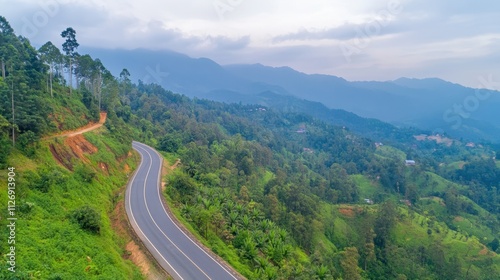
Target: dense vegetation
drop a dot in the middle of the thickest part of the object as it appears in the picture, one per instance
(63, 229)
(246, 166)
(279, 195)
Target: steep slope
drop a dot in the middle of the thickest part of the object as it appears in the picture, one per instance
(63, 177)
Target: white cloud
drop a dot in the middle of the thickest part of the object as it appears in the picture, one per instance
(419, 40)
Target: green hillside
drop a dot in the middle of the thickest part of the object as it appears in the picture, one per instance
(279, 195)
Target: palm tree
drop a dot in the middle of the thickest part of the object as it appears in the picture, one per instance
(249, 249)
(187, 211)
(191, 168)
(321, 272)
(271, 273)
(233, 217)
(245, 222)
(256, 214)
(261, 265)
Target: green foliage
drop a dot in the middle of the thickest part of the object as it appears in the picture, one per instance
(275, 193)
(483, 171)
(28, 143)
(170, 143)
(349, 264)
(386, 219)
(183, 185)
(494, 245)
(5, 151)
(87, 218)
(84, 173)
(43, 179)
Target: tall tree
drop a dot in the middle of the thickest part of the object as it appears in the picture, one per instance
(5, 27)
(9, 55)
(125, 75)
(85, 71)
(99, 71)
(51, 56)
(125, 85)
(349, 264)
(6, 33)
(69, 47)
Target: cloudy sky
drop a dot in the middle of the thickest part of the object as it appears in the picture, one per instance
(358, 39)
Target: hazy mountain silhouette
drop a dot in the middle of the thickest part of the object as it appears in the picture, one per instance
(431, 104)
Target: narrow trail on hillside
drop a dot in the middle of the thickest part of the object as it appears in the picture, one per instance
(83, 129)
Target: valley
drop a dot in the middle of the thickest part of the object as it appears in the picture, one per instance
(277, 186)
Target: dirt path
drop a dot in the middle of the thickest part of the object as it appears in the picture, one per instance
(83, 129)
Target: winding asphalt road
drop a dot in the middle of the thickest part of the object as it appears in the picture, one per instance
(173, 249)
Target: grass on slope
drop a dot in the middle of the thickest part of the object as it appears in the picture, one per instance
(432, 183)
(465, 223)
(390, 152)
(367, 188)
(49, 244)
(64, 118)
(416, 230)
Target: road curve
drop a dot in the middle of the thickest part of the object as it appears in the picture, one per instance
(172, 248)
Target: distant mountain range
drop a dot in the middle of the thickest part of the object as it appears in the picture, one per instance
(430, 104)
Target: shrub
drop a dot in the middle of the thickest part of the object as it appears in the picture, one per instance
(87, 218)
(4, 152)
(170, 143)
(85, 173)
(37, 182)
(28, 143)
(44, 178)
(56, 276)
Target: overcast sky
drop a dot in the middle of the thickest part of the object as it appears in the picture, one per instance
(359, 40)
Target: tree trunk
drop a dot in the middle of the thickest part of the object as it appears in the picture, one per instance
(3, 69)
(60, 72)
(99, 90)
(70, 76)
(51, 77)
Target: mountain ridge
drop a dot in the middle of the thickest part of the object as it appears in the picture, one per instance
(430, 103)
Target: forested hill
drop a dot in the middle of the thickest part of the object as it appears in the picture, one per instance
(279, 195)
(429, 104)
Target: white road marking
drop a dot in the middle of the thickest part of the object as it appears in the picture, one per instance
(138, 227)
(147, 208)
(159, 196)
